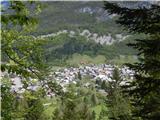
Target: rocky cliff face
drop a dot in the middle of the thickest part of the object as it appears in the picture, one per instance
(85, 18)
(101, 39)
(57, 16)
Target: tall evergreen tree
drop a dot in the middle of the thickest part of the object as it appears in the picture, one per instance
(73, 106)
(34, 107)
(118, 105)
(94, 99)
(7, 99)
(145, 88)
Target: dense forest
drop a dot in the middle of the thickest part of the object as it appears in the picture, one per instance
(111, 50)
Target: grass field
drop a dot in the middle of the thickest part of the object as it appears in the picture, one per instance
(78, 59)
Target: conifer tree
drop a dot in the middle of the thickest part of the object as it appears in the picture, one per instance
(145, 88)
(7, 99)
(34, 106)
(104, 85)
(118, 105)
(94, 99)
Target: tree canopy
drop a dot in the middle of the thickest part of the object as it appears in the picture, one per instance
(145, 87)
(22, 53)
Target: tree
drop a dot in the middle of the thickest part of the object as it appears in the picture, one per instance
(79, 102)
(145, 88)
(79, 76)
(34, 107)
(103, 115)
(22, 53)
(73, 106)
(7, 100)
(94, 99)
(104, 85)
(118, 105)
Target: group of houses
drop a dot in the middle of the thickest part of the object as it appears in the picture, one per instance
(103, 72)
(95, 72)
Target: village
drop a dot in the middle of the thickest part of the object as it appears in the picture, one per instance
(64, 77)
(96, 72)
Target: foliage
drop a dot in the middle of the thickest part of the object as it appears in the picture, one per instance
(27, 105)
(118, 105)
(21, 53)
(24, 55)
(67, 16)
(79, 102)
(64, 50)
(34, 106)
(7, 100)
(72, 107)
(145, 87)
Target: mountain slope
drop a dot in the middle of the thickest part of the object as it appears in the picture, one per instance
(88, 28)
(75, 16)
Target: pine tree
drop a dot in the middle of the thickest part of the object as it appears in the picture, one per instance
(33, 105)
(103, 114)
(94, 99)
(79, 76)
(93, 115)
(118, 105)
(103, 85)
(145, 88)
(73, 105)
(7, 99)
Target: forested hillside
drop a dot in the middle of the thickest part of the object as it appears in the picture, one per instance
(63, 48)
(86, 28)
(58, 16)
(76, 64)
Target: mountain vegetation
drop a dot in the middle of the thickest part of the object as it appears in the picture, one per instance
(28, 54)
(62, 48)
(75, 17)
(144, 88)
